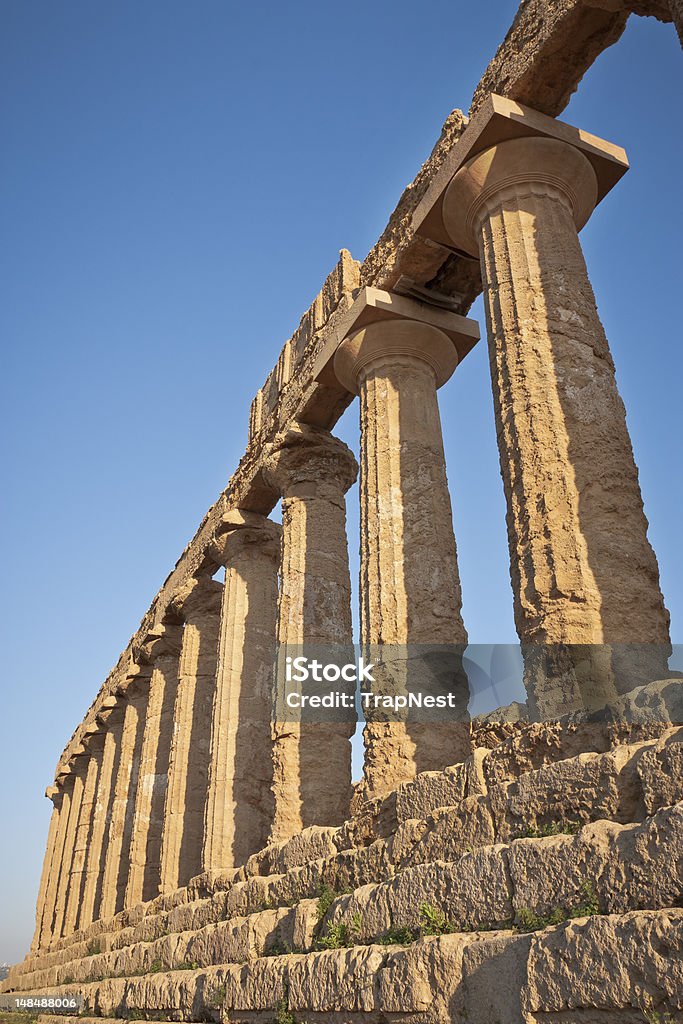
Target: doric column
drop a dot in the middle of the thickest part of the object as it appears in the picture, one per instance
(183, 829)
(312, 471)
(63, 800)
(78, 770)
(112, 719)
(95, 748)
(56, 796)
(162, 650)
(239, 807)
(410, 587)
(583, 571)
(117, 861)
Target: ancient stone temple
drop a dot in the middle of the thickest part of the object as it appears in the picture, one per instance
(209, 858)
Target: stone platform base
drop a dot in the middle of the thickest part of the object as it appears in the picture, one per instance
(540, 880)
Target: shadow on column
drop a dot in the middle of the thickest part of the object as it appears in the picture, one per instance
(190, 857)
(97, 900)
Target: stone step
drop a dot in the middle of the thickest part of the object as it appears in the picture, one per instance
(604, 868)
(622, 784)
(598, 968)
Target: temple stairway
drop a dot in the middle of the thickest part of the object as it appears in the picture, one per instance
(539, 880)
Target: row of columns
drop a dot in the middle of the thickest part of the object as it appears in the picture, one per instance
(189, 773)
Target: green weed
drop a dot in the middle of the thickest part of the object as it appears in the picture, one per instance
(434, 921)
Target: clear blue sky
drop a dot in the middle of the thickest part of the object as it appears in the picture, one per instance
(177, 179)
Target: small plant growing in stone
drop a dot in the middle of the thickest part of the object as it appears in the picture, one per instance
(216, 998)
(589, 904)
(397, 937)
(93, 949)
(277, 948)
(283, 1014)
(326, 897)
(156, 967)
(336, 937)
(187, 965)
(553, 828)
(434, 921)
(528, 920)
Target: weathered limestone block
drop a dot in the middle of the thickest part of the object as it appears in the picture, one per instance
(450, 832)
(477, 893)
(650, 706)
(306, 921)
(405, 838)
(372, 820)
(410, 587)
(426, 978)
(312, 843)
(259, 986)
(352, 868)
(196, 915)
(494, 972)
(340, 980)
(262, 863)
(579, 789)
(183, 826)
(623, 867)
(210, 882)
(239, 805)
(429, 790)
(548, 49)
(312, 471)
(541, 743)
(661, 772)
(162, 650)
(647, 872)
(183, 995)
(583, 571)
(611, 968)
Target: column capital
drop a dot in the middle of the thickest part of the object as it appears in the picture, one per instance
(198, 597)
(531, 165)
(94, 738)
(240, 528)
(393, 341)
(159, 641)
(106, 710)
(500, 120)
(303, 459)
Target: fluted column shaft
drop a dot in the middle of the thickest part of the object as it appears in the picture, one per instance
(583, 571)
(312, 760)
(95, 860)
(410, 586)
(239, 807)
(47, 919)
(95, 749)
(117, 862)
(48, 868)
(162, 651)
(69, 846)
(183, 827)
